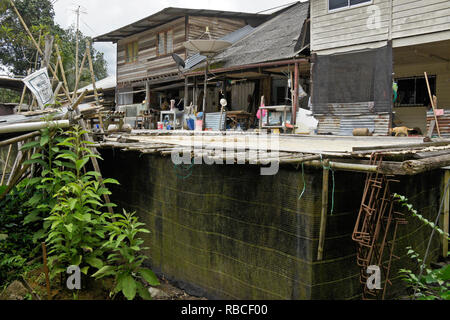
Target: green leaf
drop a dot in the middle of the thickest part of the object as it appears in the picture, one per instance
(104, 271)
(111, 181)
(149, 276)
(143, 292)
(72, 204)
(30, 145)
(44, 140)
(77, 260)
(129, 287)
(95, 262)
(85, 270)
(3, 236)
(69, 227)
(79, 164)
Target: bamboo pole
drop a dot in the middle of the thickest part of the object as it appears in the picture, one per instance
(89, 139)
(19, 139)
(432, 104)
(6, 164)
(34, 42)
(78, 76)
(91, 69)
(22, 97)
(63, 73)
(446, 218)
(323, 220)
(16, 165)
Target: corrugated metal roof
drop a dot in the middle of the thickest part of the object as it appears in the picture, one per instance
(107, 83)
(232, 37)
(276, 39)
(11, 83)
(344, 125)
(170, 14)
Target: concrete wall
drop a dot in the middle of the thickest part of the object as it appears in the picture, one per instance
(226, 232)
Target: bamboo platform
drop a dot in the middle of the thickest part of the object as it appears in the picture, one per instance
(403, 156)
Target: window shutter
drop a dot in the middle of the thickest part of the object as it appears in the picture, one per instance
(161, 43)
(169, 41)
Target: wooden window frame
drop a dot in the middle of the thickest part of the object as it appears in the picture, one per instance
(134, 58)
(349, 6)
(416, 78)
(165, 32)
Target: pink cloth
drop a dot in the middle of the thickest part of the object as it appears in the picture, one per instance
(264, 113)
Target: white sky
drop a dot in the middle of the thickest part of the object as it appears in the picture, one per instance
(103, 16)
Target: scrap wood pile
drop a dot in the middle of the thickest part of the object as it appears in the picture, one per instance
(46, 110)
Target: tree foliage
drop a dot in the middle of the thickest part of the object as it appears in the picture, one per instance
(18, 53)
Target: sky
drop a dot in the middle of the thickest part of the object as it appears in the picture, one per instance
(102, 16)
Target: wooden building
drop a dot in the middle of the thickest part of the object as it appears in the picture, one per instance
(145, 47)
(417, 34)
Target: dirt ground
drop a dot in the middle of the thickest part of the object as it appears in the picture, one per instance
(33, 287)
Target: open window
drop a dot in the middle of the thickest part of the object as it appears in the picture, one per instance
(413, 91)
(340, 4)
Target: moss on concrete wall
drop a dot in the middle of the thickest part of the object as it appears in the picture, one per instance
(227, 232)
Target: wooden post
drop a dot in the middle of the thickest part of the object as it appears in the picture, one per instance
(48, 50)
(446, 217)
(47, 278)
(186, 91)
(295, 102)
(147, 94)
(432, 104)
(323, 220)
(205, 90)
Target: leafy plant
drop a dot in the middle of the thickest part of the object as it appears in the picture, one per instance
(404, 202)
(125, 261)
(434, 284)
(78, 225)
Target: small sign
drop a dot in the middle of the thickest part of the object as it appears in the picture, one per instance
(39, 84)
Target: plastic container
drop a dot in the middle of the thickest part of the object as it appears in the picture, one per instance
(160, 125)
(199, 125)
(191, 124)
